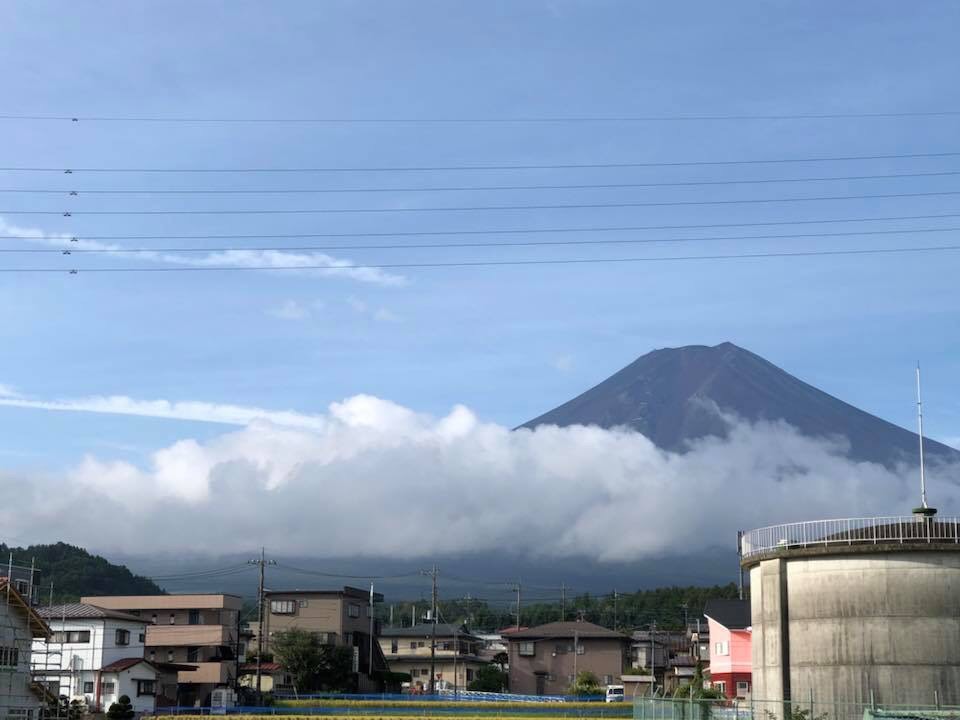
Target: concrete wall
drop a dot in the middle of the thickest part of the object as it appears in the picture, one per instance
(841, 626)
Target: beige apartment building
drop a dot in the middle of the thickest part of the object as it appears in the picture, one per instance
(194, 629)
(544, 660)
(339, 617)
(457, 658)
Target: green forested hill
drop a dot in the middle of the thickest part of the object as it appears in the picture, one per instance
(75, 572)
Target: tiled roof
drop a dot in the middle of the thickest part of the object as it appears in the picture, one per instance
(732, 614)
(85, 611)
(124, 664)
(265, 667)
(426, 630)
(566, 630)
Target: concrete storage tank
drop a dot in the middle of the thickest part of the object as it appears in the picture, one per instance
(849, 612)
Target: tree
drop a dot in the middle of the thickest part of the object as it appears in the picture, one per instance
(78, 708)
(122, 709)
(586, 683)
(489, 678)
(501, 659)
(695, 689)
(312, 664)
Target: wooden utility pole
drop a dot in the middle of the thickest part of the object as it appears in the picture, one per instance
(563, 602)
(517, 589)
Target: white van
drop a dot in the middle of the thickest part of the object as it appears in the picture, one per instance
(614, 693)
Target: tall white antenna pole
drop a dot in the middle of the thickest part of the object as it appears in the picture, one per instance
(923, 478)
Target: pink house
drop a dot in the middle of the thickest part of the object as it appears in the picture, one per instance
(730, 634)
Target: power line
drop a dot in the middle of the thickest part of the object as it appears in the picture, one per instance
(479, 208)
(509, 231)
(452, 120)
(491, 263)
(471, 188)
(416, 246)
(430, 168)
(318, 573)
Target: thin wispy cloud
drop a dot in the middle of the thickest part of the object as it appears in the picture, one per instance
(290, 310)
(312, 262)
(192, 410)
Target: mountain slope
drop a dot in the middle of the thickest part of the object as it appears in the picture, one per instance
(75, 572)
(676, 395)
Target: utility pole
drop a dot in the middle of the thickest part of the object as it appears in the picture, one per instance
(432, 574)
(370, 638)
(517, 589)
(576, 652)
(262, 563)
(653, 654)
(563, 602)
(614, 610)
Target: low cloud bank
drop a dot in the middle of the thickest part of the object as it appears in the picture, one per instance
(374, 478)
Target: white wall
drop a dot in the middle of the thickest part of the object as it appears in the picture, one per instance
(85, 658)
(125, 683)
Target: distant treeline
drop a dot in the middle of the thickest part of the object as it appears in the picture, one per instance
(74, 572)
(667, 607)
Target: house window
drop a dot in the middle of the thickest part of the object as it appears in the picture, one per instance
(169, 655)
(421, 644)
(193, 618)
(581, 648)
(394, 647)
(146, 687)
(193, 654)
(721, 648)
(469, 674)
(153, 656)
(283, 607)
(143, 637)
(721, 686)
(173, 619)
(743, 688)
(109, 687)
(446, 645)
(608, 679)
(123, 636)
(72, 637)
(9, 656)
(153, 618)
(413, 644)
(527, 649)
(303, 603)
(88, 688)
(353, 610)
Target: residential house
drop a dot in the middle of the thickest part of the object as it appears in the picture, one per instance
(273, 678)
(20, 625)
(730, 636)
(456, 658)
(544, 660)
(340, 617)
(201, 630)
(96, 655)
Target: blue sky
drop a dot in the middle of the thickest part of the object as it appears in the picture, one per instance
(507, 342)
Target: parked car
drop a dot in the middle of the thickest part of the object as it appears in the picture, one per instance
(614, 693)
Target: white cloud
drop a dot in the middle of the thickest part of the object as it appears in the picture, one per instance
(381, 314)
(188, 410)
(371, 477)
(290, 310)
(7, 391)
(312, 262)
(384, 315)
(357, 305)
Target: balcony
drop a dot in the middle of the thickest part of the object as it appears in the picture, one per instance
(189, 635)
(206, 672)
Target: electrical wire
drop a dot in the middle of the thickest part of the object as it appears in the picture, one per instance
(492, 263)
(551, 119)
(483, 208)
(509, 231)
(431, 168)
(472, 188)
(318, 573)
(413, 246)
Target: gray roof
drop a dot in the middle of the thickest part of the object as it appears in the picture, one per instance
(425, 630)
(566, 630)
(732, 614)
(84, 611)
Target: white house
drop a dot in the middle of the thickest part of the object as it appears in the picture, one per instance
(97, 655)
(20, 626)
